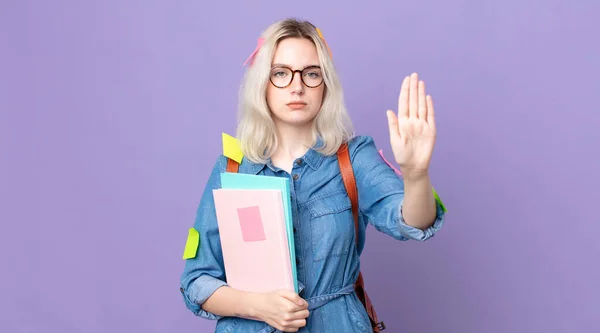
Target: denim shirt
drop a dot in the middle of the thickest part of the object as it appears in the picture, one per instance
(327, 257)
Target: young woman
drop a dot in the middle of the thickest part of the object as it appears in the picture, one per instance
(292, 123)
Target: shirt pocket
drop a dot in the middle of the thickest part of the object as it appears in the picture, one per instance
(331, 225)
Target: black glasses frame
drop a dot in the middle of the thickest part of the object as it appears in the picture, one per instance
(294, 73)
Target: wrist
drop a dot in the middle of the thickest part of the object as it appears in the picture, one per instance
(250, 307)
(414, 175)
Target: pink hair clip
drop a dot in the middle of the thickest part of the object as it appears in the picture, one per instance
(259, 44)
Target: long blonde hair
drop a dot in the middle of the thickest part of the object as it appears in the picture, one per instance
(256, 129)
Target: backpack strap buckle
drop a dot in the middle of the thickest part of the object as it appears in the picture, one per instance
(380, 326)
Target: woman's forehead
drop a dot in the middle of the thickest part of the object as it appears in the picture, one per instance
(296, 52)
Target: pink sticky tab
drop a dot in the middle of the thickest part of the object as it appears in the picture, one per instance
(251, 224)
(259, 44)
(388, 163)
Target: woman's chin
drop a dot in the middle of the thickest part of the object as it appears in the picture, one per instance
(296, 119)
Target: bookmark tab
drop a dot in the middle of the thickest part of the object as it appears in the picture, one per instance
(191, 245)
(231, 148)
(251, 224)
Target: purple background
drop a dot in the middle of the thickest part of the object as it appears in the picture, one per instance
(111, 116)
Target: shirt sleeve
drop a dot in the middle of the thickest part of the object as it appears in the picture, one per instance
(381, 194)
(204, 273)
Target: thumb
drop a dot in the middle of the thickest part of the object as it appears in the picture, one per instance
(293, 297)
(392, 123)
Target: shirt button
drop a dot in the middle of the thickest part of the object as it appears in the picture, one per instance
(296, 176)
(297, 261)
(299, 161)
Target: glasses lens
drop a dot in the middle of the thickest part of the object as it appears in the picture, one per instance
(312, 76)
(281, 77)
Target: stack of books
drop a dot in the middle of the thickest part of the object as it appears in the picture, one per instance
(254, 216)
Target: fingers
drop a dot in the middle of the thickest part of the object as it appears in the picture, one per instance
(422, 113)
(301, 314)
(291, 322)
(413, 96)
(295, 325)
(295, 299)
(289, 311)
(295, 316)
(430, 112)
(291, 296)
(403, 99)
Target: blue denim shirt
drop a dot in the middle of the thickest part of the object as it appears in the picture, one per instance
(327, 258)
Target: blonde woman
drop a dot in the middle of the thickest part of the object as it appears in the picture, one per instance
(292, 123)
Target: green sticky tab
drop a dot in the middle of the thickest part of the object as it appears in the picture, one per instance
(437, 198)
(191, 245)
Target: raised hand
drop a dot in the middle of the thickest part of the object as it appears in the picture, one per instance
(412, 131)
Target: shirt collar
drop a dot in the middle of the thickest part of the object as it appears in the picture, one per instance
(312, 157)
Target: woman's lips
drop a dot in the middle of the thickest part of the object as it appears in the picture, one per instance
(296, 105)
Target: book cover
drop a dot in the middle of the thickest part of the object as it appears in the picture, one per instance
(253, 239)
(245, 181)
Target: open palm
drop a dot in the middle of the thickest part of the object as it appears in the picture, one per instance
(412, 131)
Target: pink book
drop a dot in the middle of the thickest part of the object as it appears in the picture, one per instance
(253, 239)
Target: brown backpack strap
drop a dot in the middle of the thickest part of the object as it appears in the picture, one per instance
(232, 166)
(350, 184)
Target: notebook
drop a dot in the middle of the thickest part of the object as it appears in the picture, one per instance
(253, 239)
(246, 181)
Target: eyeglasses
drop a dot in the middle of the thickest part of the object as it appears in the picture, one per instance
(282, 76)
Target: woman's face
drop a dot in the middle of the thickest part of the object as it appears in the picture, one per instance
(295, 103)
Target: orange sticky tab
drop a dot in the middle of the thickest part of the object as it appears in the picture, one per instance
(324, 41)
(320, 33)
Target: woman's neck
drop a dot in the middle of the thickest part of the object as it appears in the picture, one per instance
(293, 142)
